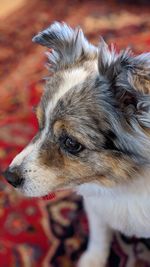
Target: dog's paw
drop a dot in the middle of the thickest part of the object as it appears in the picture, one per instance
(91, 259)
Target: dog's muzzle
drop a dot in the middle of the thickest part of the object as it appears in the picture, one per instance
(13, 177)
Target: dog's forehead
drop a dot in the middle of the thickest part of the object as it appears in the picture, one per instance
(70, 107)
(61, 86)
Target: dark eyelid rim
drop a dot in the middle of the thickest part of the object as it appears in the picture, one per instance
(64, 136)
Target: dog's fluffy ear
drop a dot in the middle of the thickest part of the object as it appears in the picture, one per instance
(128, 79)
(68, 46)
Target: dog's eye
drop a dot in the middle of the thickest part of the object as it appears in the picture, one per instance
(71, 145)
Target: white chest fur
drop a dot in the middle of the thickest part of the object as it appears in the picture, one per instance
(124, 208)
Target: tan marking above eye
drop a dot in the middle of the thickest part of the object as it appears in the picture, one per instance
(71, 129)
(58, 126)
(61, 125)
(40, 115)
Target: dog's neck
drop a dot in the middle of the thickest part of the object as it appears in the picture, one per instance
(139, 186)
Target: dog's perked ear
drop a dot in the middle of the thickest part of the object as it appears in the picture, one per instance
(128, 79)
(68, 46)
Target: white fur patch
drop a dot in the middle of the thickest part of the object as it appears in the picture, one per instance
(22, 155)
(71, 78)
(125, 208)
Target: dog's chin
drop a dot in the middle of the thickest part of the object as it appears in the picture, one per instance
(33, 192)
(37, 195)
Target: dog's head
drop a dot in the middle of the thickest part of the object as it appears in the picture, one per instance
(94, 117)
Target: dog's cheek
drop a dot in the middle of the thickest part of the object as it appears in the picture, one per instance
(106, 169)
(75, 172)
(68, 169)
(50, 156)
(118, 168)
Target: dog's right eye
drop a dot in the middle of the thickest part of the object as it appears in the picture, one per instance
(70, 145)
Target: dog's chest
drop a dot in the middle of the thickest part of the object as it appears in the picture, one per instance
(130, 214)
(125, 211)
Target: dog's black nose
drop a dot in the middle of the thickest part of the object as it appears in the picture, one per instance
(12, 176)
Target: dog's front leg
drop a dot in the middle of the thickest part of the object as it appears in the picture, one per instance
(100, 237)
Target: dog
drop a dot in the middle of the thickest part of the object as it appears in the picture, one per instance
(94, 136)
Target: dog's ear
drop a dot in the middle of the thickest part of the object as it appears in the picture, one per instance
(68, 46)
(128, 80)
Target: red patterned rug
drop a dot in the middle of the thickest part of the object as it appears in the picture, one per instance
(36, 233)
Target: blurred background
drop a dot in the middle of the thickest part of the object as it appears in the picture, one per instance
(54, 232)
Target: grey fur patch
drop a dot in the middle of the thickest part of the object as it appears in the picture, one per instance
(68, 46)
(51, 88)
(110, 62)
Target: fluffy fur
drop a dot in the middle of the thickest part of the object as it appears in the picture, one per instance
(94, 136)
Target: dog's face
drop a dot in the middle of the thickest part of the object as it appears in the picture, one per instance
(93, 117)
